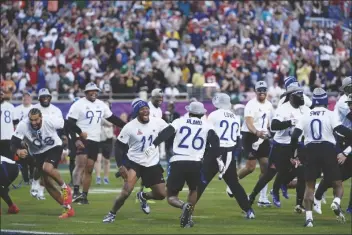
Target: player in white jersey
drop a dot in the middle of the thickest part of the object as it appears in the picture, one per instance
(255, 136)
(227, 126)
(21, 112)
(133, 139)
(87, 114)
(289, 81)
(8, 173)
(40, 134)
(7, 126)
(283, 122)
(155, 103)
(318, 129)
(341, 109)
(191, 138)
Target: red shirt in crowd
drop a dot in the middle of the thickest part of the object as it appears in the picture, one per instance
(45, 50)
(33, 74)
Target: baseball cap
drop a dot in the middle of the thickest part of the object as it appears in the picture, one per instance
(43, 92)
(91, 87)
(261, 84)
(157, 92)
(347, 81)
(222, 101)
(196, 108)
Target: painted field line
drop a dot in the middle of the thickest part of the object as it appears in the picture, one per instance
(10, 231)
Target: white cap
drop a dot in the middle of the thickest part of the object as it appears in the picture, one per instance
(196, 108)
(347, 81)
(222, 101)
(91, 87)
(157, 92)
(293, 87)
(261, 84)
(43, 92)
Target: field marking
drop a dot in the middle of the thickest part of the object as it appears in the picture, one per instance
(86, 222)
(202, 216)
(29, 225)
(118, 190)
(10, 231)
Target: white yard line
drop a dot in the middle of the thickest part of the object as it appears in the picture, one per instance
(10, 231)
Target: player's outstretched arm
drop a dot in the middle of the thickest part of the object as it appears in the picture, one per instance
(164, 135)
(277, 125)
(344, 131)
(120, 152)
(70, 124)
(116, 121)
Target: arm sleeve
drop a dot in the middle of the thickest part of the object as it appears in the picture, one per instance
(214, 142)
(342, 130)
(107, 111)
(70, 124)
(277, 125)
(116, 121)
(120, 152)
(15, 144)
(164, 135)
(294, 137)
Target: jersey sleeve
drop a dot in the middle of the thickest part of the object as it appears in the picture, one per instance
(249, 110)
(163, 124)
(300, 123)
(124, 135)
(20, 130)
(74, 111)
(176, 124)
(56, 122)
(107, 111)
(335, 121)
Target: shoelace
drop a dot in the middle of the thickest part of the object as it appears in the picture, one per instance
(65, 193)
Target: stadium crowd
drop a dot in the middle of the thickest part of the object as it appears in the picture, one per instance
(134, 46)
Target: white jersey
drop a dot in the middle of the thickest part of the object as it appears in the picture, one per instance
(226, 125)
(139, 137)
(21, 112)
(7, 116)
(318, 126)
(203, 118)
(190, 139)
(307, 101)
(89, 116)
(42, 140)
(51, 110)
(154, 112)
(341, 110)
(260, 112)
(286, 112)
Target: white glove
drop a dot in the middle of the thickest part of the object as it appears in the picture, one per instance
(220, 164)
(294, 122)
(150, 151)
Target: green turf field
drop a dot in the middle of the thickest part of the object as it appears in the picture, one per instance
(215, 213)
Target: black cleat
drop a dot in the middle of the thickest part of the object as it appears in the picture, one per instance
(84, 200)
(186, 215)
(77, 197)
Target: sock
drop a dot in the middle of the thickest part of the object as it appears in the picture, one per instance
(76, 189)
(67, 206)
(85, 194)
(112, 213)
(263, 193)
(309, 215)
(63, 186)
(337, 200)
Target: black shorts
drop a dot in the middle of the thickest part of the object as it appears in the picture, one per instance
(181, 172)
(52, 156)
(106, 148)
(5, 149)
(247, 140)
(91, 149)
(346, 169)
(151, 175)
(279, 158)
(321, 157)
(8, 174)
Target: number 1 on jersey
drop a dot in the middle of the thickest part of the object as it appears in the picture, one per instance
(264, 116)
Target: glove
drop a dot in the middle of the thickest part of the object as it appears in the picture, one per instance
(150, 151)
(220, 164)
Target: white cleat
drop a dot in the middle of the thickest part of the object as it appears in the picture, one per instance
(34, 192)
(40, 195)
(323, 199)
(309, 223)
(229, 192)
(41, 198)
(338, 212)
(317, 206)
(264, 202)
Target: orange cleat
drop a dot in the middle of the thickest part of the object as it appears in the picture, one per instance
(13, 209)
(67, 213)
(67, 196)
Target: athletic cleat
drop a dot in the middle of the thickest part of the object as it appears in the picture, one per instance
(34, 192)
(186, 215)
(67, 196)
(144, 204)
(323, 199)
(109, 218)
(67, 213)
(284, 191)
(309, 223)
(338, 212)
(349, 210)
(250, 214)
(317, 206)
(299, 209)
(76, 198)
(229, 192)
(98, 181)
(106, 181)
(40, 198)
(13, 209)
(83, 201)
(276, 199)
(264, 202)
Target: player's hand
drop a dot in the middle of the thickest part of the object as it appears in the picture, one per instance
(22, 153)
(150, 150)
(341, 158)
(123, 172)
(294, 122)
(84, 135)
(221, 164)
(262, 134)
(79, 144)
(295, 162)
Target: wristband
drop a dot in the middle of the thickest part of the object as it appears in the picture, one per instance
(347, 151)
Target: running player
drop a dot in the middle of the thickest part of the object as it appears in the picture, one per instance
(8, 173)
(226, 125)
(255, 136)
(40, 134)
(133, 139)
(191, 138)
(318, 129)
(87, 114)
(7, 126)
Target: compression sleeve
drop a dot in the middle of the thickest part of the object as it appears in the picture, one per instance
(214, 142)
(70, 125)
(164, 135)
(120, 152)
(342, 130)
(116, 121)
(15, 144)
(276, 125)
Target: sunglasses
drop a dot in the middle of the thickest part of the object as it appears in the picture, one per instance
(262, 89)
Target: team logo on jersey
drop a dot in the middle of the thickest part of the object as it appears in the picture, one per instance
(139, 132)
